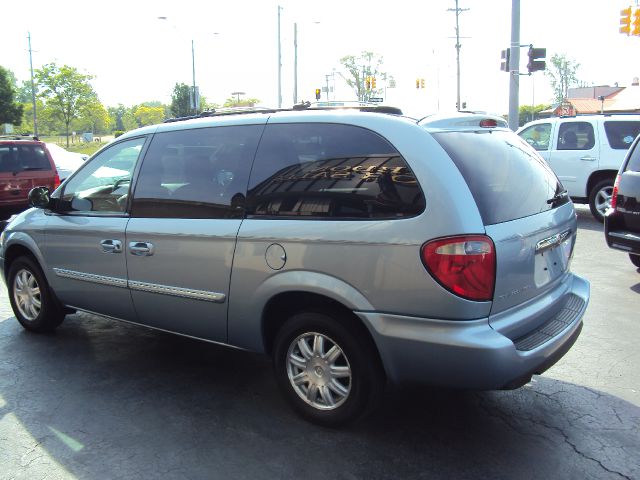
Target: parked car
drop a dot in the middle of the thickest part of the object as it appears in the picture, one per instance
(24, 163)
(353, 247)
(66, 162)
(585, 152)
(622, 221)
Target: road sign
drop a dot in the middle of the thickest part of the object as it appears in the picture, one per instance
(376, 99)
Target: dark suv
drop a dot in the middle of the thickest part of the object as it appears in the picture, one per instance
(24, 163)
(622, 222)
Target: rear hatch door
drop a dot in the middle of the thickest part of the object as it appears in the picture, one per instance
(628, 201)
(22, 167)
(525, 210)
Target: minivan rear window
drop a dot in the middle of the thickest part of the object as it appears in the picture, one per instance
(506, 176)
(621, 134)
(20, 158)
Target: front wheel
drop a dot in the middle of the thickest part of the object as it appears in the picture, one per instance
(327, 369)
(635, 259)
(31, 300)
(600, 198)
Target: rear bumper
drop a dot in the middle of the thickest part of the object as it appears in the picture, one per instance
(472, 354)
(620, 238)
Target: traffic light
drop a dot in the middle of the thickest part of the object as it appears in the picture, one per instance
(625, 20)
(504, 55)
(422, 83)
(367, 83)
(318, 93)
(536, 59)
(417, 83)
(373, 83)
(636, 23)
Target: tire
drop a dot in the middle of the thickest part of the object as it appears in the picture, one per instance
(635, 259)
(344, 377)
(600, 198)
(32, 302)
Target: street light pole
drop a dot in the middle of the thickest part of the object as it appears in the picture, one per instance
(295, 63)
(458, 46)
(279, 62)
(193, 67)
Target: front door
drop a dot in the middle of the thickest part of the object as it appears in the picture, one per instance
(187, 209)
(85, 237)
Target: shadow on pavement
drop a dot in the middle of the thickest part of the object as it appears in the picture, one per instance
(101, 399)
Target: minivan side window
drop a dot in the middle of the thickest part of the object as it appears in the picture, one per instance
(196, 173)
(102, 185)
(621, 134)
(312, 170)
(576, 136)
(537, 136)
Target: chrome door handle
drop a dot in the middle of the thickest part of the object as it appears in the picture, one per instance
(111, 246)
(588, 158)
(141, 249)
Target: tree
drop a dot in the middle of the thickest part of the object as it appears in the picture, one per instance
(562, 75)
(146, 115)
(244, 102)
(93, 118)
(10, 110)
(66, 92)
(358, 69)
(181, 100)
(527, 113)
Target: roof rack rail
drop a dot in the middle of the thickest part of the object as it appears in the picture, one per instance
(304, 105)
(19, 137)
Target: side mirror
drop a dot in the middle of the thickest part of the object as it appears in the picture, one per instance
(39, 197)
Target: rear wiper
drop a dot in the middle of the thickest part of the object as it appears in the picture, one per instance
(558, 196)
(30, 169)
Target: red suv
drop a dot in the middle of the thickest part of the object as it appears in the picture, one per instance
(24, 164)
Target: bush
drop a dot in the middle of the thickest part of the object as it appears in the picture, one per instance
(117, 133)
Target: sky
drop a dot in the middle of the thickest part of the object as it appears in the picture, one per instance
(136, 57)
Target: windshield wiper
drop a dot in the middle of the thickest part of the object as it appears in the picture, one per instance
(558, 197)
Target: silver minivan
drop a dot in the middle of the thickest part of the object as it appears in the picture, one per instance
(355, 248)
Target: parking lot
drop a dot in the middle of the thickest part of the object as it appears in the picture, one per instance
(100, 399)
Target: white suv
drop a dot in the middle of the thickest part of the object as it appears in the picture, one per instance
(585, 152)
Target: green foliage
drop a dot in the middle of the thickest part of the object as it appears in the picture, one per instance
(562, 74)
(367, 64)
(117, 133)
(243, 102)
(528, 113)
(10, 110)
(146, 115)
(180, 103)
(66, 92)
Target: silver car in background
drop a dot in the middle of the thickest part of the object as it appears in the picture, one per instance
(356, 248)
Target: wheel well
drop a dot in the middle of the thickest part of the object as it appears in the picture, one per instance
(283, 306)
(599, 176)
(14, 252)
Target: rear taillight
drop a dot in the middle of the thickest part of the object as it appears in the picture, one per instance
(464, 265)
(614, 195)
(56, 181)
(488, 123)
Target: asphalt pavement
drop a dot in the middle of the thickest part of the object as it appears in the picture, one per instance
(100, 399)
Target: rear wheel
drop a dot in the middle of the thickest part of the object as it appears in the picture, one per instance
(600, 198)
(326, 369)
(31, 300)
(635, 259)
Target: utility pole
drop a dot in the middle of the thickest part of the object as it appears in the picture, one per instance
(514, 66)
(33, 89)
(279, 62)
(458, 11)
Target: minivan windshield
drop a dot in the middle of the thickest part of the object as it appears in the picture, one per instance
(507, 177)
